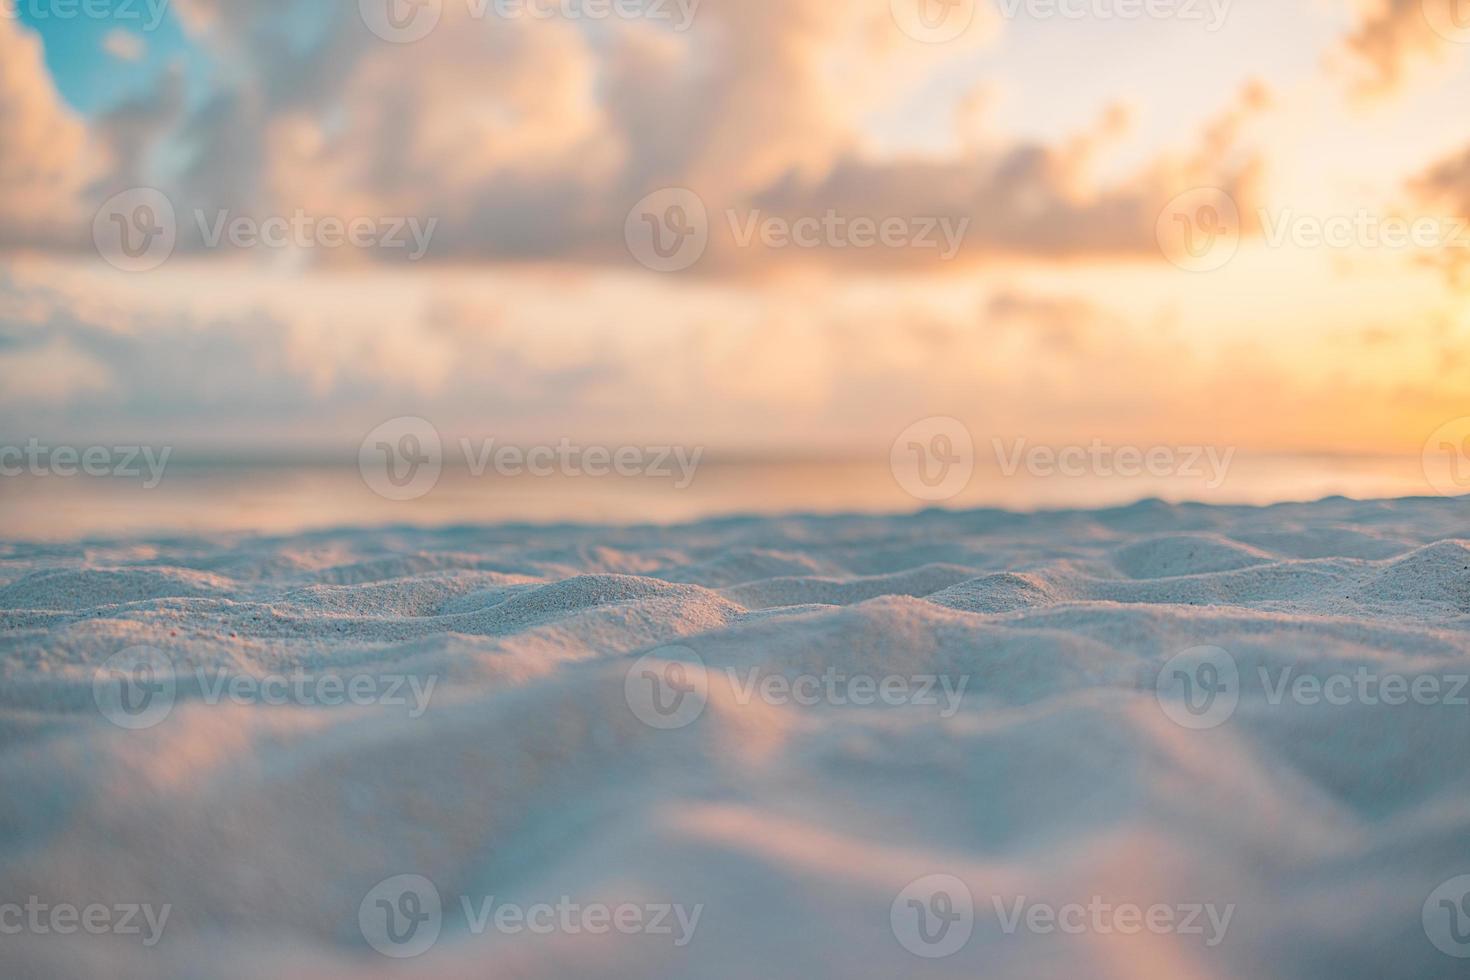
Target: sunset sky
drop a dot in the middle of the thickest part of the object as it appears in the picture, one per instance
(1058, 141)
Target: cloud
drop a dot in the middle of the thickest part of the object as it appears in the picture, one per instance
(1448, 181)
(250, 359)
(1032, 199)
(530, 140)
(124, 45)
(1446, 186)
(133, 129)
(43, 148)
(1392, 35)
(55, 373)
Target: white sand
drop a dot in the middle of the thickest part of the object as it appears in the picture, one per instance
(1060, 778)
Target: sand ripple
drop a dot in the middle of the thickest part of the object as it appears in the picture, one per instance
(529, 772)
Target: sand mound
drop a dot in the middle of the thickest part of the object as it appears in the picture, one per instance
(1438, 574)
(1002, 592)
(91, 588)
(1185, 554)
(792, 725)
(742, 565)
(920, 581)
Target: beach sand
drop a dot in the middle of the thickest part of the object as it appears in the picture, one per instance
(948, 744)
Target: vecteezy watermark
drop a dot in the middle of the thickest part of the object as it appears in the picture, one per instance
(669, 231)
(834, 230)
(934, 916)
(138, 231)
(933, 459)
(669, 688)
(1450, 19)
(403, 458)
(1099, 459)
(1363, 686)
(933, 21)
(1202, 688)
(1447, 458)
(1199, 230)
(121, 462)
(403, 916)
(137, 688)
(839, 688)
(1209, 13)
(1446, 917)
(407, 21)
(401, 21)
(142, 15)
(302, 230)
(1362, 229)
(1199, 688)
(1098, 916)
(40, 918)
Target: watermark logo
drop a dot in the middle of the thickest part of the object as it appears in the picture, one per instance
(933, 21)
(136, 230)
(302, 230)
(1199, 231)
(569, 459)
(677, 14)
(1447, 458)
(1202, 688)
(40, 918)
(407, 21)
(138, 688)
(141, 15)
(1450, 19)
(402, 459)
(135, 688)
(1363, 686)
(401, 917)
(1363, 229)
(1199, 688)
(1101, 917)
(1210, 13)
(838, 688)
(934, 916)
(1447, 917)
(835, 230)
(401, 21)
(667, 688)
(668, 231)
(933, 459)
(119, 462)
(1208, 464)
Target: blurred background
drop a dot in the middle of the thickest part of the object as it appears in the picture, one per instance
(778, 235)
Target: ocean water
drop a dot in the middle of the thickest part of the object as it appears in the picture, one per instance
(285, 497)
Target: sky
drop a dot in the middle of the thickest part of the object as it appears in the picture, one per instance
(762, 226)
